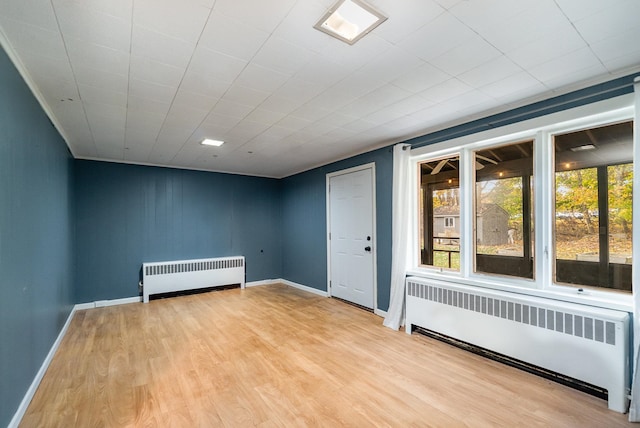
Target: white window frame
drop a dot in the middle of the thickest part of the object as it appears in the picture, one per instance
(540, 130)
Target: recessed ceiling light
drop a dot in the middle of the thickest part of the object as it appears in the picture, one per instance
(209, 142)
(350, 20)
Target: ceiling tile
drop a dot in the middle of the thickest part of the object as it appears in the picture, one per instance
(489, 13)
(267, 117)
(559, 42)
(151, 106)
(118, 8)
(359, 125)
(297, 27)
(143, 68)
(620, 46)
(216, 65)
(38, 13)
(579, 9)
(261, 78)
(421, 78)
(446, 90)
(391, 65)
(204, 84)
(247, 96)
(298, 89)
(141, 120)
(609, 22)
(93, 26)
(98, 95)
(219, 122)
(89, 55)
(138, 153)
(294, 123)
(353, 57)
(515, 84)
(232, 109)
(53, 78)
(325, 73)
(566, 65)
(173, 136)
(278, 54)
(37, 41)
(281, 104)
(161, 47)
(110, 150)
(151, 91)
(232, 37)
(182, 20)
(441, 35)
(244, 131)
(472, 53)
(265, 15)
(405, 17)
(186, 98)
(100, 79)
(311, 113)
(539, 19)
(489, 72)
(104, 116)
(185, 117)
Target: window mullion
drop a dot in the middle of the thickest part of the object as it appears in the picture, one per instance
(467, 223)
(543, 197)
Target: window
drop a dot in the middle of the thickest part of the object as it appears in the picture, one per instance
(439, 207)
(543, 206)
(503, 208)
(593, 195)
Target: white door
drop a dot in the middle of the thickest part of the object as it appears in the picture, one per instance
(351, 237)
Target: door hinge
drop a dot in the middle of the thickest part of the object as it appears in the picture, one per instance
(329, 236)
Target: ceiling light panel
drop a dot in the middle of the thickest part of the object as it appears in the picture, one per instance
(210, 142)
(350, 20)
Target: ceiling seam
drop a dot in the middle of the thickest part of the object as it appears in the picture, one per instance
(75, 79)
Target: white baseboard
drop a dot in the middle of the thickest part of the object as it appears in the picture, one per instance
(288, 283)
(103, 303)
(304, 287)
(263, 282)
(28, 396)
(380, 313)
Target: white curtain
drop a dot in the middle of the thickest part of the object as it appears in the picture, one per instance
(634, 408)
(400, 235)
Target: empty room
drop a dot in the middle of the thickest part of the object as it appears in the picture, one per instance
(319, 213)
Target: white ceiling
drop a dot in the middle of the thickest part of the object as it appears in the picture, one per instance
(144, 81)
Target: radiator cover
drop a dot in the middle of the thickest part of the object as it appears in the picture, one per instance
(586, 343)
(180, 275)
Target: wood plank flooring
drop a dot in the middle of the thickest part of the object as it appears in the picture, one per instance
(277, 356)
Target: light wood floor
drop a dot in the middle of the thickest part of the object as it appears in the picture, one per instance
(277, 356)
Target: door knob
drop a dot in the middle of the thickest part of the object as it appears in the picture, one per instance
(367, 249)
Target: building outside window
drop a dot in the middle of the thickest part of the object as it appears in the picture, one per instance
(504, 210)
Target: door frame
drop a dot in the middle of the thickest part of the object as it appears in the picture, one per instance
(374, 241)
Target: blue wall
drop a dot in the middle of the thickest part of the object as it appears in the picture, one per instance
(128, 215)
(36, 214)
(304, 223)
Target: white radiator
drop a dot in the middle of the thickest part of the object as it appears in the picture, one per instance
(180, 275)
(586, 343)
